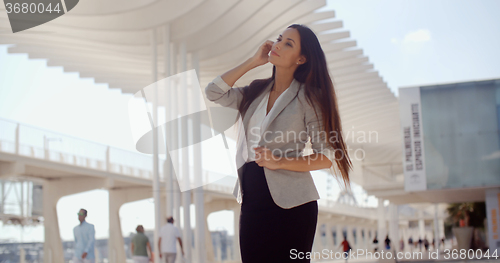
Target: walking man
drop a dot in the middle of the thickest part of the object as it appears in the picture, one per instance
(168, 234)
(140, 247)
(84, 240)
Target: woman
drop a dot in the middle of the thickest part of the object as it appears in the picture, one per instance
(139, 246)
(275, 188)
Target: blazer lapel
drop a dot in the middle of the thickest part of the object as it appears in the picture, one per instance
(285, 100)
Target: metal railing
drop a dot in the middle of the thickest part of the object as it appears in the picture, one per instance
(28, 141)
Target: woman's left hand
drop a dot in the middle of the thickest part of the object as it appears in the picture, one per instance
(265, 158)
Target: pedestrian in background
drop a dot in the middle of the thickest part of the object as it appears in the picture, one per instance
(375, 244)
(140, 247)
(84, 240)
(387, 242)
(346, 247)
(410, 243)
(168, 234)
(426, 244)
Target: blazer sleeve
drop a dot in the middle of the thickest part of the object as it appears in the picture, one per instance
(315, 130)
(221, 93)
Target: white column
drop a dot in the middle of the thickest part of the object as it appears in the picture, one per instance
(350, 236)
(175, 133)
(156, 174)
(198, 193)
(116, 250)
(52, 245)
(436, 226)
(340, 235)
(421, 224)
(421, 227)
(317, 242)
(382, 230)
(208, 239)
(363, 231)
(168, 168)
(186, 181)
(370, 239)
(52, 192)
(441, 230)
(2, 196)
(328, 234)
(17, 139)
(394, 227)
(236, 237)
(22, 255)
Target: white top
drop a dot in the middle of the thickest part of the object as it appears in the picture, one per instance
(169, 234)
(256, 124)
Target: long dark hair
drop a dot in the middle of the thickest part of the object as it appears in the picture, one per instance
(319, 90)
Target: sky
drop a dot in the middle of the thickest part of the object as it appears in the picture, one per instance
(409, 42)
(421, 42)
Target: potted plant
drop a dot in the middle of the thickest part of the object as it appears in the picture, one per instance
(460, 214)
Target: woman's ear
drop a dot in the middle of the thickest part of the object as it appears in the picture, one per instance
(302, 60)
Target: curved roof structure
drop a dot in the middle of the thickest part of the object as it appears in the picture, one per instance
(110, 41)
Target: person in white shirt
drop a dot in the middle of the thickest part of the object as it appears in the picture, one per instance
(166, 243)
(84, 234)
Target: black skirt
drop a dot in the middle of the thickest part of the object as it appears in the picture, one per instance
(269, 233)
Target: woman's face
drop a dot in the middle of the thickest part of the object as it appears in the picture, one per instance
(286, 50)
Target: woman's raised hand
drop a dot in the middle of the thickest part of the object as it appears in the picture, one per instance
(262, 55)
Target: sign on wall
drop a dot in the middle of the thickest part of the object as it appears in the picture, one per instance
(413, 139)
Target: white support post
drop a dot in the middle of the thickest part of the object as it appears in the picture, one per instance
(17, 138)
(350, 236)
(328, 233)
(2, 196)
(436, 226)
(317, 242)
(186, 195)
(169, 169)
(382, 229)
(340, 235)
(198, 193)
(21, 203)
(421, 228)
(394, 227)
(52, 192)
(175, 132)
(156, 174)
(118, 197)
(236, 236)
(441, 231)
(210, 256)
(108, 163)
